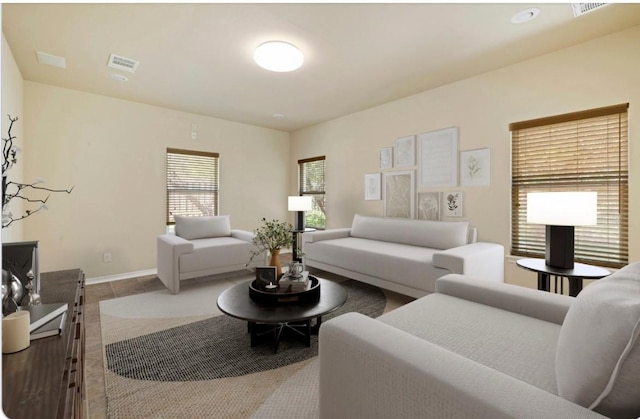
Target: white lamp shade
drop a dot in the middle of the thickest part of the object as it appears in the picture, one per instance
(300, 203)
(562, 208)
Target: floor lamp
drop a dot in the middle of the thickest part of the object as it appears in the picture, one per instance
(561, 212)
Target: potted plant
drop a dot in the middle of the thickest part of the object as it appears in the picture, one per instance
(273, 236)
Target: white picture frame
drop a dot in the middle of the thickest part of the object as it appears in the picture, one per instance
(452, 204)
(405, 151)
(438, 158)
(386, 158)
(398, 191)
(475, 167)
(372, 190)
(428, 206)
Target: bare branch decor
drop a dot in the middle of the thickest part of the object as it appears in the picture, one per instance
(15, 190)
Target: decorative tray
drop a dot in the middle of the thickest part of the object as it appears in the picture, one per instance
(260, 294)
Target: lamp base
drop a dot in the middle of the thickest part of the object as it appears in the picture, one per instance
(299, 221)
(559, 246)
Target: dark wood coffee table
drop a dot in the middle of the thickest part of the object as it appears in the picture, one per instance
(271, 321)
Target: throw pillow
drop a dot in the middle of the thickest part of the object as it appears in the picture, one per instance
(202, 227)
(598, 353)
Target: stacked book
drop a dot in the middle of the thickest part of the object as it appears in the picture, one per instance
(295, 283)
(46, 319)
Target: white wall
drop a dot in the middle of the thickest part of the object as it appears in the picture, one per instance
(599, 73)
(113, 153)
(11, 92)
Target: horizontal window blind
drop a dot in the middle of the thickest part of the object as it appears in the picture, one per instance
(192, 183)
(312, 182)
(582, 151)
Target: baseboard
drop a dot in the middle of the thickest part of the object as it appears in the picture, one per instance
(117, 277)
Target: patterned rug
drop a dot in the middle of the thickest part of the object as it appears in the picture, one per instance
(178, 356)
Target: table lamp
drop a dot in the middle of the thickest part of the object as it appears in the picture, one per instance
(300, 204)
(561, 212)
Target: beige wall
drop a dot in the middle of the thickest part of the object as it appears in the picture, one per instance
(11, 92)
(113, 153)
(595, 74)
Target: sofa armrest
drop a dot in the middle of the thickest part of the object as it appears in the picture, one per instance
(170, 247)
(369, 369)
(316, 236)
(529, 302)
(243, 235)
(479, 259)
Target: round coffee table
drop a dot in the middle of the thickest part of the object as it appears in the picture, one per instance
(272, 320)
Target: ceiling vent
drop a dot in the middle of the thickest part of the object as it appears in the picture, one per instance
(122, 63)
(580, 9)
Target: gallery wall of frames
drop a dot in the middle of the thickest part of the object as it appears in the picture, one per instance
(421, 175)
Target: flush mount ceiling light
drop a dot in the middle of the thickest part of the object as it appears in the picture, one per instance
(525, 15)
(278, 56)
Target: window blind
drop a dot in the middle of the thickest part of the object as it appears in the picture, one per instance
(582, 151)
(312, 182)
(192, 183)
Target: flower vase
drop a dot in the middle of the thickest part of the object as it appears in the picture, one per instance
(275, 261)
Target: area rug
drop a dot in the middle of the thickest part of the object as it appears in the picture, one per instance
(179, 356)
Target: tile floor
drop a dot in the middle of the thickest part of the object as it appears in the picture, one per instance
(94, 374)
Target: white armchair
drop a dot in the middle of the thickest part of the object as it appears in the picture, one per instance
(203, 246)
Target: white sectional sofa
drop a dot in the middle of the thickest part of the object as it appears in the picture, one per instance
(405, 256)
(203, 246)
(480, 349)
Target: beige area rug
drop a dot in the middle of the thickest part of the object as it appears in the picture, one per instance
(178, 356)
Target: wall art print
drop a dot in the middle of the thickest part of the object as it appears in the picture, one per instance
(475, 167)
(386, 158)
(399, 194)
(428, 206)
(438, 158)
(372, 187)
(452, 204)
(405, 154)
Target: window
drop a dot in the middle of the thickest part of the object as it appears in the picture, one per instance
(312, 180)
(582, 151)
(192, 183)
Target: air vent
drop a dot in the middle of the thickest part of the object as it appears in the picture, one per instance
(122, 63)
(580, 9)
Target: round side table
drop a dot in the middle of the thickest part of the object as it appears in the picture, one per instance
(575, 276)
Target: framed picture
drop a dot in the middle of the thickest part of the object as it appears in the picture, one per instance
(428, 206)
(386, 158)
(452, 204)
(438, 158)
(405, 154)
(398, 191)
(475, 167)
(372, 187)
(266, 275)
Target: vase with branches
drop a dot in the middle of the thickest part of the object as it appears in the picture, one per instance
(272, 237)
(15, 190)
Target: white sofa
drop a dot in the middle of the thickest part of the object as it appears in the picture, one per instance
(203, 246)
(405, 256)
(487, 350)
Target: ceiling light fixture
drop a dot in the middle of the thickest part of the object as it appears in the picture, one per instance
(278, 56)
(525, 15)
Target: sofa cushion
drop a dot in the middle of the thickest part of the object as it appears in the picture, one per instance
(520, 346)
(400, 263)
(431, 234)
(202, 227)
(215, 252)
(598, 354)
